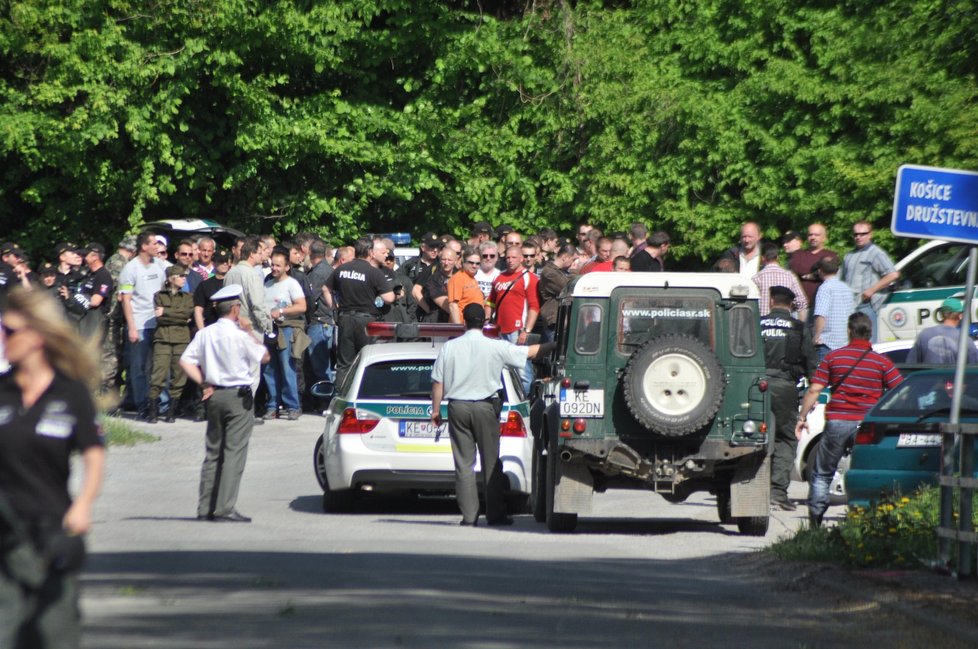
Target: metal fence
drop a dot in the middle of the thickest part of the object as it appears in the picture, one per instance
(960, 437)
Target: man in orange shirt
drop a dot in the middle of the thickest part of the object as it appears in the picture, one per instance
(463, 289)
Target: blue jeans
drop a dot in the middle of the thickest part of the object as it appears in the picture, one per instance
(836, 436)
(821, 351)
(526, 374)
(140, 366)
(280, 375)
(321, 340)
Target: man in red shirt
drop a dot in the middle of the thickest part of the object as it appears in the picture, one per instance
(857, 377)
(803, 262)
(516, 304)
(603, 260)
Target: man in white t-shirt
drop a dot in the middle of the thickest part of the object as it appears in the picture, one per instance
(286, 301)
(488, 256)
(140, 280)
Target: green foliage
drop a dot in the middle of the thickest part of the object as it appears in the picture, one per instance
(343, 116)
(896, 532)
(119, 432)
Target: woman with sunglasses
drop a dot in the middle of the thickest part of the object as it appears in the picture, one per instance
(46, 413)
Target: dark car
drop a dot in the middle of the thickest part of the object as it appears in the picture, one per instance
(898, 444)
(176, 229)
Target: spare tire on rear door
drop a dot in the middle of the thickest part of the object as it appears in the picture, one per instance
(673, 385)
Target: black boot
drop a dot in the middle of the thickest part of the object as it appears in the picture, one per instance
(171, 414)
(153, 411)
(814, 520)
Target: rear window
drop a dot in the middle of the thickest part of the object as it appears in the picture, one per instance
(642, 318)
(409, 379)
(918, 395)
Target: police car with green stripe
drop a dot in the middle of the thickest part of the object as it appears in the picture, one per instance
(934, 271)
(379, 438)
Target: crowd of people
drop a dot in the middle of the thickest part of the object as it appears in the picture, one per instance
(144, 302)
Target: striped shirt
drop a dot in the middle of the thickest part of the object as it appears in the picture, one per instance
(864, 385)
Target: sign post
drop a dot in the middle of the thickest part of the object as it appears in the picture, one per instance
(935, 203)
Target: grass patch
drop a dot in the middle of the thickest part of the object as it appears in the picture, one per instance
(895, 532)
(119, 432)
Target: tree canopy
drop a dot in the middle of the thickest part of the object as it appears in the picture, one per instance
(348, 116)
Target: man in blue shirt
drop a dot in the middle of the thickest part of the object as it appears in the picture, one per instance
(473, 410)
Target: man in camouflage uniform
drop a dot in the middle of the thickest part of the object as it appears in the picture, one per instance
(112, 347)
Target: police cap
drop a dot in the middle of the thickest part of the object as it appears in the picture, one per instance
(782, 294)
(228, 293)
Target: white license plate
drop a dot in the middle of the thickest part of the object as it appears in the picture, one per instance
(421, 428)
(581, 403)
(917, 440)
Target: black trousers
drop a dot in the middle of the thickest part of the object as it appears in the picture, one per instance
(351, 338)
(784, 405)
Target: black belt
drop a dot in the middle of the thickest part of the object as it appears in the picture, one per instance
(230, 387)
(358, 313)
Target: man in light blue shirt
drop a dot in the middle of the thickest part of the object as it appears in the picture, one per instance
(833, 306)
(468, 373)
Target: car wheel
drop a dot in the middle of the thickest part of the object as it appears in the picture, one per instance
(556, 522)
(723, 506)
(538, 490)
(753, 525)
(319, 462)
(337, 502)
(673, 385)
(810, 462)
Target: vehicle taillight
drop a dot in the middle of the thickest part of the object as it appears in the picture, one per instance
(868, 433)
(357, 422)
(513, 426)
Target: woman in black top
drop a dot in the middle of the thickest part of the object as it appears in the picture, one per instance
(46, 413)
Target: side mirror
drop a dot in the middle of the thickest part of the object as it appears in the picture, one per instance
(323, 389)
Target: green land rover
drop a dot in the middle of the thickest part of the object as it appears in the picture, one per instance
(657, 383)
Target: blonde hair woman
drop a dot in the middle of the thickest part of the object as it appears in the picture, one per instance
(46, 413)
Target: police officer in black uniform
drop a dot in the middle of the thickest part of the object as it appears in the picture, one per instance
(789, 355)
(358, 290)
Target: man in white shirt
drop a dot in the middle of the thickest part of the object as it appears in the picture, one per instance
(140, 280)
(220, 358)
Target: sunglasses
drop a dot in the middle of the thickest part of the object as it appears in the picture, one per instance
(861, 234)
(489, 256)
(474, 262)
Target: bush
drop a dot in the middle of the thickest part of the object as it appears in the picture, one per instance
(895, 532)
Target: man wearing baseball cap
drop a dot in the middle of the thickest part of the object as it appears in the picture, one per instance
(939, 344)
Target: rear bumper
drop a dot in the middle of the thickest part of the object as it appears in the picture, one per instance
(865, 486)
(350, 465)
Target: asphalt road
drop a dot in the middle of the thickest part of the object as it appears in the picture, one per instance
(640, 572)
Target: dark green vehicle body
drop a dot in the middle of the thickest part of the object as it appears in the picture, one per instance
(657, 383)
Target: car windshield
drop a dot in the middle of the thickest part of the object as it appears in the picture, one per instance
(642, 318)
(931, 393)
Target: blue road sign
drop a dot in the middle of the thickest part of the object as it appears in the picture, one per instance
(935, 203)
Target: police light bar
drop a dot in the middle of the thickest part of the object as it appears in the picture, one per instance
(409, 330)
(399, 238)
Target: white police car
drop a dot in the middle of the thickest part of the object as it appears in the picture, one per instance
(934, 271)
(378, 435)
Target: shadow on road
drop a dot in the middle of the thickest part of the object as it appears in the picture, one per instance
(241, 600)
